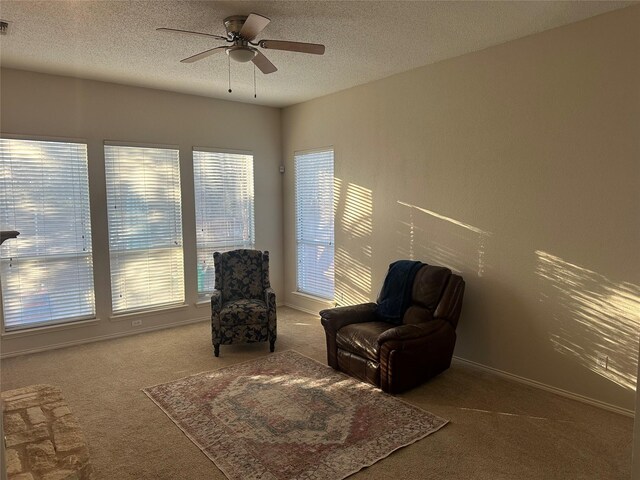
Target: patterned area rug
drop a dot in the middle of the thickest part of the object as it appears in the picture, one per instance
(285, 416)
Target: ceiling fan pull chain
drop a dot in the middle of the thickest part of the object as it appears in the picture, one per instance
(254, 81)
(229, 59)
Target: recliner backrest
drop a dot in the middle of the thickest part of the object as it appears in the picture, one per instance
(428, 285)
(241, 274)
(450, 303)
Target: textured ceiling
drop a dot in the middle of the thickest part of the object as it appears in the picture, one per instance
(116, 41)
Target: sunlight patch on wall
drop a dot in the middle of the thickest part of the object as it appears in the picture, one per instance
(337, 195)
(353, 277)
(440, 240)
(356, 216)
(354, 226)
(599, 320)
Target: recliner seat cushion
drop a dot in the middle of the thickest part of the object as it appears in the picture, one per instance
(362, 339)
(243, 312)
(416, 315)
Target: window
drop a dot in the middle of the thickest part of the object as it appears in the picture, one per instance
(224, 208)
(314, 222)
(145, 227)
(47, 272)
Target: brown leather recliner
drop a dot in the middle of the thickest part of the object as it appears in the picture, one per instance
(398, 357)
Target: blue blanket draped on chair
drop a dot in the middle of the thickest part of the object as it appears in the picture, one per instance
(396, 291)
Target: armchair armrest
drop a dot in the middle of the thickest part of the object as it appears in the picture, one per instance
(216, 301)
(411, 332)
(272, 325)
(269, 297)
(410, 354)
(335, 318)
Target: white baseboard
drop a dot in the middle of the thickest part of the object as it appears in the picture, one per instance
(502, 373)
(549, 388)
(100, 338)
(526, 381)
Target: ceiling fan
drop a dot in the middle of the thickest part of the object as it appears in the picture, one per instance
(241, 31)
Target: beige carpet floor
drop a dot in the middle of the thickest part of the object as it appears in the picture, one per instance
(499, 429)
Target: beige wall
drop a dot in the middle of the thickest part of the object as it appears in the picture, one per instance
(45, 105)
(517, 166)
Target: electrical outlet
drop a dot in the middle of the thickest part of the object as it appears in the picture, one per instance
(136, 323)
(602, 360)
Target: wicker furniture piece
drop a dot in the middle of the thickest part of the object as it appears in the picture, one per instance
(243, 304)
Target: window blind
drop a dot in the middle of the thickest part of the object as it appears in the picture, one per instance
(314, 223)
(47, 272)
(145, 227)
(224, 208)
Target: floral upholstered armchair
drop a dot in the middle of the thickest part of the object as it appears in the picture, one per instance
(243, 304)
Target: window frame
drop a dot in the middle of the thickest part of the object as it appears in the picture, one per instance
(148, 308)
(73, 322)
(204, 295)
(300, 153)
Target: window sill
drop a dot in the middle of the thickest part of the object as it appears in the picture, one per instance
(45, 329)
(146, 313)
(314, 298)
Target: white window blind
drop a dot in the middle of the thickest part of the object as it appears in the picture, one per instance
(224, 208)
(145, 227)
(314, 222)
(47, 272)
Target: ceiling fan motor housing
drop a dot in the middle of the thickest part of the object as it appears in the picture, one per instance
(234, 24)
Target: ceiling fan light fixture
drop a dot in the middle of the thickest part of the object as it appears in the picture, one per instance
(241, 54)
(241, 33)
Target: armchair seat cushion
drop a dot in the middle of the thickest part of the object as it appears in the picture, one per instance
(245, 311)
(362, 339)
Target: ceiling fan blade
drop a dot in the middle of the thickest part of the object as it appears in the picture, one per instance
(301, 47)
(263, 63)
(253, 25)
(189, 32)
(201, 55)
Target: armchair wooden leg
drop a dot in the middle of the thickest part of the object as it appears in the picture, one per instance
(216, 350)
(272, 345)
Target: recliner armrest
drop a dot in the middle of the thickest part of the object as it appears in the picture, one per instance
(336, 318)
(412, 332)
(269, 297)
(410, 354)
(216, 301)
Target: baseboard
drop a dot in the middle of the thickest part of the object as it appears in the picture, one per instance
(100, 338)
(549, 388)
(502, 373)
